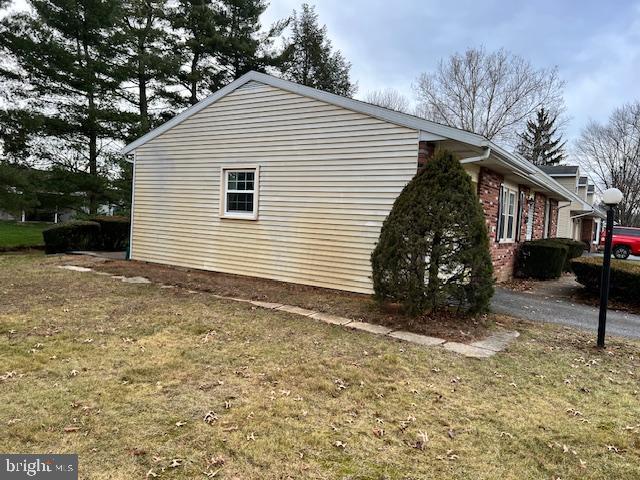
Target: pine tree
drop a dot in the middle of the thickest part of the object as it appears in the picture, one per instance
(433, 249)
(198, 23)
(145, 43)
(244, 46)
(309, 58)
(541, 143)
(61, 82)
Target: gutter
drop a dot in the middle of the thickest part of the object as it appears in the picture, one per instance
(485, 155)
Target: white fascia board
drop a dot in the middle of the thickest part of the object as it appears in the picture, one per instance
(430, 130)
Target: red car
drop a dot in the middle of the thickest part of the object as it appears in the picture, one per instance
(626, 241)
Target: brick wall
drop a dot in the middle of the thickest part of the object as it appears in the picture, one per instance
(538, 216)
(553, 228)
(425, 151)
(502, 254)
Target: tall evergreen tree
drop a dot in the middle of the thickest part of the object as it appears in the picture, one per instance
(245, 47)
(309, 58)
(198, 23)
(144, 39)
(541, 143)
(60, 83)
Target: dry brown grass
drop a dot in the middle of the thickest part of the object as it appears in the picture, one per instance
(135, 369)
(448, 325)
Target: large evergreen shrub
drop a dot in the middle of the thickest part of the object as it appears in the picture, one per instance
(624, 281)
(542, 259)
(114, 231)
(75, 235)
(575, 248)
(433, 249)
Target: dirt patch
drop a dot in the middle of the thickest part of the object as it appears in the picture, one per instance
(355, 306)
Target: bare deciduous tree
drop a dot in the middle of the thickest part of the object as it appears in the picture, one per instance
(612, 153)
(492, 94)
(388, 98)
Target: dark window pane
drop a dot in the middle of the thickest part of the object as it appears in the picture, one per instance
(240, 202)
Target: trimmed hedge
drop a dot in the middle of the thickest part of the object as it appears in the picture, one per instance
(542, 260)
(75, 235)
(625, 277)
(575, 248)
(114, 232)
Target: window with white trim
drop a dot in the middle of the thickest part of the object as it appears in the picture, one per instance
(507, 219)
(240, 193)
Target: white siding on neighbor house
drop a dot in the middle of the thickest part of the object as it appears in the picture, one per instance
(565, 224)
(328, 179)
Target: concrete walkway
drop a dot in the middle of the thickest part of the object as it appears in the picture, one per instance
(549, 303)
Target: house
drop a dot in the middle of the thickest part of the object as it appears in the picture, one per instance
(273, 179)
(579, 219)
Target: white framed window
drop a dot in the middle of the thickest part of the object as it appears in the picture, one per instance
(507, 218)
(239, 191)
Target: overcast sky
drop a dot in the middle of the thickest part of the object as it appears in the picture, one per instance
(595, 44)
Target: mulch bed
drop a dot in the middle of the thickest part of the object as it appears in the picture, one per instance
(447, 325)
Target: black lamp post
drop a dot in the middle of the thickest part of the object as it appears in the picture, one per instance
(610, 198)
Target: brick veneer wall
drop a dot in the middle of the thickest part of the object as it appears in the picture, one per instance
(425, 151)
(502, 254)
(553, 227)
(538, 216)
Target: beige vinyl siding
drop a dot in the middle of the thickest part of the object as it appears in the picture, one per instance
(328, 179)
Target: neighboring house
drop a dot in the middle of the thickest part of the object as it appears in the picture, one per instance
(580, 219)
(273, 179)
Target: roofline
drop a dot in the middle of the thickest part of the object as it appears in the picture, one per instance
(426, 128)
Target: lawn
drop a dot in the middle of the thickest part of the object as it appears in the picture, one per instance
(16, 234)
(143, 381)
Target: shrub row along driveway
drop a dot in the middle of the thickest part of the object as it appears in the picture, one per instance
(140, 380)
(550, 302)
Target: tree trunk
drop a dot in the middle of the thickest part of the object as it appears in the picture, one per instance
(434, 269)
(142, 89)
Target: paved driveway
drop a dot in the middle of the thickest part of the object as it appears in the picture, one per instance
(548, 303)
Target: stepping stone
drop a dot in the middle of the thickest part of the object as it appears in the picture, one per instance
(333, 319)
(269, 305)
(369, 327)
(468, 350)
(296, 310)
(75, 269)
(136, 280)
(498, 341)
(417, 339)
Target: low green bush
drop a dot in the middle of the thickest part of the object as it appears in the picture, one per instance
(575, 248)
(114, 232)
(624, 281)
(75, 235)
(541, 260)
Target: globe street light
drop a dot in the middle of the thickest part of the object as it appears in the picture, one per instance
(610, 198)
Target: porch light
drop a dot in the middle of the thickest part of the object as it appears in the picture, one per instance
(611, 197)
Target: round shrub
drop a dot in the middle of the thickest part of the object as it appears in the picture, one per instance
(433, 249)
(69, 236)
(575, 248)
(114, 232)
(542, 259)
